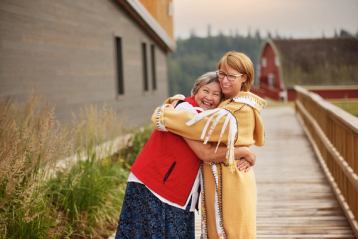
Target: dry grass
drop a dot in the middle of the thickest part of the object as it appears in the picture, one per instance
(93, 126)
(30, 139)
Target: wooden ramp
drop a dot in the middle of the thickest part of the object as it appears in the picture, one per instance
(294, 197)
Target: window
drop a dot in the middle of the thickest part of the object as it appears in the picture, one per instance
(271, 79)
(119, 61)
(277, 61)
(145, 67)
(154, 73)
(264, 62)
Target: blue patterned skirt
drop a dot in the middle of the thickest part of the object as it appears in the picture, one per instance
(143, 216)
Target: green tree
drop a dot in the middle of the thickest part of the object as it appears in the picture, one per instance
(197, 55)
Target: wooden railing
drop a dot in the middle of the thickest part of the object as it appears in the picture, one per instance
(334, 136)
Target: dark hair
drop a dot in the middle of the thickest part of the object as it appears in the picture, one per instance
(205, 79)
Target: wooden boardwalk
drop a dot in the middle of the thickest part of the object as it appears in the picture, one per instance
(294, 197)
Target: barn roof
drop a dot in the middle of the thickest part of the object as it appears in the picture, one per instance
(331, 61)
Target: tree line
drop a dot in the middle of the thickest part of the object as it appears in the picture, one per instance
(197, 55)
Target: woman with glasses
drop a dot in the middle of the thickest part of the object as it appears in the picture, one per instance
(162, 188)
(229, 195)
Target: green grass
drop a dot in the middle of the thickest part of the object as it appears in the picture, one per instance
(350, 106)
(88, 196)
(27, 220)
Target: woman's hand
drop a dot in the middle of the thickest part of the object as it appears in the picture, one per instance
(246, 158)
(243, 165)
(174, 103)
(174, 99)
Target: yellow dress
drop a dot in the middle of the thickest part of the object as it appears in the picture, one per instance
(229, 196)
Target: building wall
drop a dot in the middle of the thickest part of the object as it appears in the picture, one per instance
(65, 51)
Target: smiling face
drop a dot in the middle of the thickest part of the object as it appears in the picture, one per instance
(208, 96)
(235, 72)
(231, 87)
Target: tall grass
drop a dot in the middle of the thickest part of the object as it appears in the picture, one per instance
(30, 139)
(79, 202)
(92, 126)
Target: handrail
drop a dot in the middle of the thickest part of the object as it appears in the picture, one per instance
(334, 135)
(346, 118)
(338, 125)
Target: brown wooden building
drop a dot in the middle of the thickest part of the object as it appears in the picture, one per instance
(326, 66)
(77, 53)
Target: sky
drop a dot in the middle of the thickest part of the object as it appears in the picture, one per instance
(288, 18)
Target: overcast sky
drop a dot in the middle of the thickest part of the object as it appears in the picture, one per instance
(290, 18)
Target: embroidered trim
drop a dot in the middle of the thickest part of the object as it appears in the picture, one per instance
(255, 102)
(230, 122)
(218, 204)
(204, 229)
(159, 119)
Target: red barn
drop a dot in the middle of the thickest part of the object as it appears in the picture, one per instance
(322, 63)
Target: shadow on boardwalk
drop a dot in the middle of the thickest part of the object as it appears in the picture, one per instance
(294, 197)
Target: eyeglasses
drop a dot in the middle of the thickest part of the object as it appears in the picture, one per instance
(230, 77)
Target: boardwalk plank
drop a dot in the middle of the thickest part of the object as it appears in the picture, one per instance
(294, 197)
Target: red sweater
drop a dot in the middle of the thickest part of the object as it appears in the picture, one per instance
(167, 165)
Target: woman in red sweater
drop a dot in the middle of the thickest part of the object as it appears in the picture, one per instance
(163, 186)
